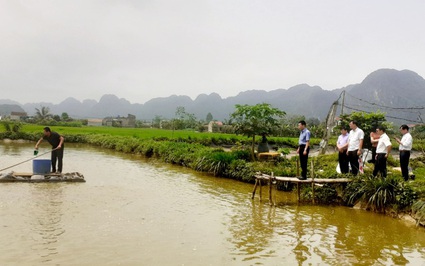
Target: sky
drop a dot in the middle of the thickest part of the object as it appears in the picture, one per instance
(143, 49)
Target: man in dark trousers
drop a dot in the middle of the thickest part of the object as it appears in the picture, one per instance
(355, 146)
(405, 147)
(382, 152)
(56, 141)
(303, 148)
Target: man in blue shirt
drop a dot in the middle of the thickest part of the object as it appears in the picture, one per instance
(303, 148)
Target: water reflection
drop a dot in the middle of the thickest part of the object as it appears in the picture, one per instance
(303, 234)
(253, 232)
(45, 215)
(13, 149)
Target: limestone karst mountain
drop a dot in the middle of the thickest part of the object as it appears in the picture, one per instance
(386, 90)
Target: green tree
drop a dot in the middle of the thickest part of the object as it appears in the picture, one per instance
(65, 116)
(156, 122)
(184, 119)
(57, 118)
(84, 122)
(290, 125)
(312, 121)
(43, 113)
(255, 120)
(209, 118)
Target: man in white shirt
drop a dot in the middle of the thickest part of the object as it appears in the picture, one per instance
(382, 151)
(405, 148)
(355, 146)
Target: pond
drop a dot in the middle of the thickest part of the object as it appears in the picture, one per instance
(133, 211)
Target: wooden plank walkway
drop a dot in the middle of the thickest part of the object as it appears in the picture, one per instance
(270, 180)
(45, 178)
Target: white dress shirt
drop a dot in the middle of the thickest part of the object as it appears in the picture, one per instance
(383, 143)
(354, 139)
(406, 142)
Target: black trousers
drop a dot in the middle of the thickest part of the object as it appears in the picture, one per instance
(353, 158)
(343, 161)
(404, 164)
(57, 155)
(303, 160)
(380, 165)
(373, 154)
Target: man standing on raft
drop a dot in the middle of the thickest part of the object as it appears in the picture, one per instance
(56, 141)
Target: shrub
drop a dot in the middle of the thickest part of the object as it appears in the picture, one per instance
(391, 162)
(377, 192)
(181, 153)
(145, 148)
(215, 162)
(76, 138)
(241, 170)
(405, 196)
(242, 154)
(326, 194)
(418, 209)
(350, 195)
(18, 135)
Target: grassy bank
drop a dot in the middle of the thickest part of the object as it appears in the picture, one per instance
(199, 151)
(204, 152)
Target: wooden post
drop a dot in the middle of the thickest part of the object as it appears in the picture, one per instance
(298, 184)
(298, 166)
(312, 180)
(255, 188)
(270, 189)
(261, 188)
(298, 191)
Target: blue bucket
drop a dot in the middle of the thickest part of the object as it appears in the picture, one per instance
(41, 166)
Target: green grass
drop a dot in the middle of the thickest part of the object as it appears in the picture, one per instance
(205, 138)
(141, 133)
(419, 183)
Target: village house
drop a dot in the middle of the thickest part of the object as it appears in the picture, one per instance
(214, 126)
(94, 122)
(17, 116)
(129, 121)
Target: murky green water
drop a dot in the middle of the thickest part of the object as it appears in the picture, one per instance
(136, 212)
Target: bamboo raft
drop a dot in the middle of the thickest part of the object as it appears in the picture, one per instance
(45, 178)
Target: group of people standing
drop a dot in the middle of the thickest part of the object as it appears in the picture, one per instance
(350, 148)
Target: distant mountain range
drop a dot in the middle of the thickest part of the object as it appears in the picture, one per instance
(387, 90)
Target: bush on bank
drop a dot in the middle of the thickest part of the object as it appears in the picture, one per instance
(378, 194)
(197, 156)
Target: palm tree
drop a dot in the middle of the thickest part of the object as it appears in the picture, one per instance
(42, 113)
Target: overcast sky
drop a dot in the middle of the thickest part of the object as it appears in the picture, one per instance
(139, 50)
